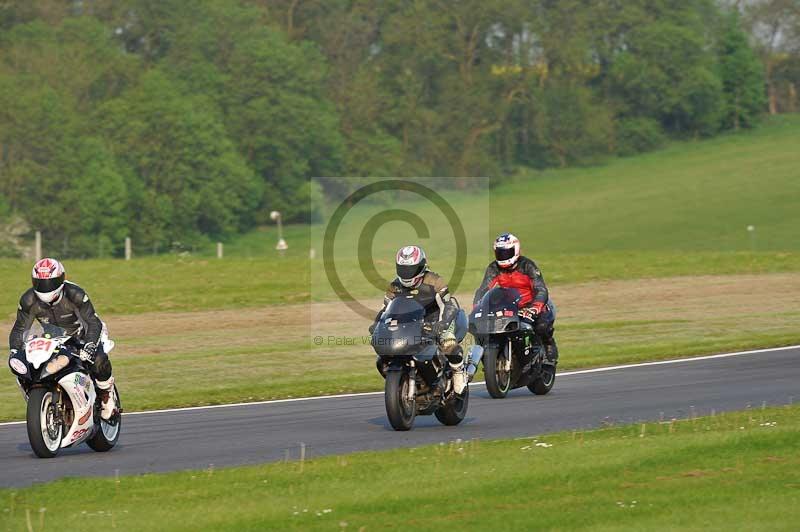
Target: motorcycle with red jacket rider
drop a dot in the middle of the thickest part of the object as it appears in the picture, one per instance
(510, 269)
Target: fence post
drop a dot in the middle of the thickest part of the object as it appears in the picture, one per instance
(38, 250)
(127, 248)
(219, 250)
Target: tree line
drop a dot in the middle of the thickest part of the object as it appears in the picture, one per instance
(177, 122)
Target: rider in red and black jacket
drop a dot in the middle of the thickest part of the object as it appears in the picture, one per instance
(512, 270)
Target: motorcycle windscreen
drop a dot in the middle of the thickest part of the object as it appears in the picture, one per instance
(404, 310)
(38, 329)
(399, 331)
(496, 312)
(499, 298)
(53, 331)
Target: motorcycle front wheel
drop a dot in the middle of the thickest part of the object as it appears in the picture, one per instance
(497, 372)
(399, 409)
(45, 428)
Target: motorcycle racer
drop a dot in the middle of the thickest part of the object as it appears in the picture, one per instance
(510, 269)
(414, 279)
(56, 301)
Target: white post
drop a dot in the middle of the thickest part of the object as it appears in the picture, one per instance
(219, 250)
(38, 250)
(127, 248)
(752, 230)
(276, 216)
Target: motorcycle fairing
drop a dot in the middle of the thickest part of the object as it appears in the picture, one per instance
(39, 350)
(81, 392)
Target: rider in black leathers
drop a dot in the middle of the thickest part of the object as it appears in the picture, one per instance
(58, 302)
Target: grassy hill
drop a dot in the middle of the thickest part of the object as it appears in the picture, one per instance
(683, 210)
(690, 197)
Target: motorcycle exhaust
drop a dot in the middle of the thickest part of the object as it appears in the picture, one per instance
(474, 356)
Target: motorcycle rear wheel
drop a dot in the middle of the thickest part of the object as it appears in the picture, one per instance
(400, 411)
(544, 381)
(45, 430)
(498, 379)
(108, 432)
(454, 410)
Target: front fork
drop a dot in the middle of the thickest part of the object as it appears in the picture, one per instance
(412, 382)
(22, 390)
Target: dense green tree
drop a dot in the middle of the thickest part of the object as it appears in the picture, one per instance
(192, 179)
(175, 122)
(100, 199)
(665, 74)
(741, 74)
(775, 28)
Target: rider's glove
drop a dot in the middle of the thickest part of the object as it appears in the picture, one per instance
(87, 352)
(430, 329)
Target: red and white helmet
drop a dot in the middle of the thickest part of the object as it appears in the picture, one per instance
(506, 250)
(411, 265)
(48, 279)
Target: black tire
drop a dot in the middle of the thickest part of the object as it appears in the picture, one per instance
(498, 381)
(107, 434)
(454, 410)
(400, 412)
(39, 403)
(544, 381)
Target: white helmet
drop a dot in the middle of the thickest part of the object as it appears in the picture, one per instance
(506, 250)
(411, 265)
(48, 279)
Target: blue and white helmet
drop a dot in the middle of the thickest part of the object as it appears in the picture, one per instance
(506, 250)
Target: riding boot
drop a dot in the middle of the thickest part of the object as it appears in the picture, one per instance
(550, 351)
(460, 377)
(108, 398)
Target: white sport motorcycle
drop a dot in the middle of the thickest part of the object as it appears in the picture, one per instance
(63, 405)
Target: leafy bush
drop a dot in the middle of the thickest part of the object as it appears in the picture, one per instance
(636, 135)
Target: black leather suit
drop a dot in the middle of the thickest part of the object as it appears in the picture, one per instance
(74, 312)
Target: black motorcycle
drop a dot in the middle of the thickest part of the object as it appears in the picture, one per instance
(419, 380)
(513, 355)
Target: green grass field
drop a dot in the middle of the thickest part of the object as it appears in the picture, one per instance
(683, 210)
(677, 215)
(737, 471)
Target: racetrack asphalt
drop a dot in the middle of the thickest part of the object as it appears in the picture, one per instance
(264, 432)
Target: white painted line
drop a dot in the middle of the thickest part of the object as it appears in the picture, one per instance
(366, 394)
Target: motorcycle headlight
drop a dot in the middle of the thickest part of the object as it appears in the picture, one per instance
(18, 366)
(56, 364)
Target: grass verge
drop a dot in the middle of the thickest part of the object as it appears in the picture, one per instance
(269, 353)
(737, 471)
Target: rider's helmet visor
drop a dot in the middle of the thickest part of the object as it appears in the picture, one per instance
(48, 285)
(504, 253)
